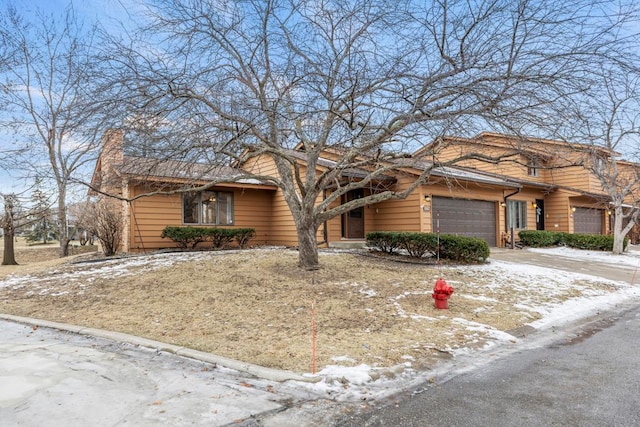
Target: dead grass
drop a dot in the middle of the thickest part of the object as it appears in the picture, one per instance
(255, 306)
(33, 257)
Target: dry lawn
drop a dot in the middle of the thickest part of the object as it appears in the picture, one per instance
(256, 306)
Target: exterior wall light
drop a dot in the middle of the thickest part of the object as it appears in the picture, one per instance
(573, 208)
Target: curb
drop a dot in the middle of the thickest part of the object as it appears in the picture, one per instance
(248, 368)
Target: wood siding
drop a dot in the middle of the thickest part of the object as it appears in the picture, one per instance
(556, 169)
(266, 210)
(557, 212)
(150, 215)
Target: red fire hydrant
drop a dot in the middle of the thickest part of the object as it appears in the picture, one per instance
(441, 293)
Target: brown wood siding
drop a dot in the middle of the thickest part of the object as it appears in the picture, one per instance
(555, 172)
(282, 227)
(513, 165)
(398, 215)
(557, 212)
(150, 215)
(575, 177)
(595, 186)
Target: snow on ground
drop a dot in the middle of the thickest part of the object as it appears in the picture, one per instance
(630, 258)
(112, 268)
(336, 378)
(507, 275)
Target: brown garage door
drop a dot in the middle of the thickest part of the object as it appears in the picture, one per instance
(587, 221)
(475, 218)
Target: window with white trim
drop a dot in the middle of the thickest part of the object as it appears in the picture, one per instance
(516, 215)
(207, 207)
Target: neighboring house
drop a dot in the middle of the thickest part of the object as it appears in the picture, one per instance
(483, 200)
(559, 192)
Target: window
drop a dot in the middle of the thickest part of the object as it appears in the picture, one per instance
(207, 207)
(516, 215)
(532, 169)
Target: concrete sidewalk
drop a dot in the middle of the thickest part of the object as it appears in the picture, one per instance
(53, 378)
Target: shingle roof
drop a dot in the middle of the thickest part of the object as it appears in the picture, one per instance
(183, 171)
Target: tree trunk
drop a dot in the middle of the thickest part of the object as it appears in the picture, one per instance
(8, 257)
(619, 233)
(307, 246)
(63, 232)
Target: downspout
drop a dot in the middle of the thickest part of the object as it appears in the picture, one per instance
(512, 233)
(135, 221)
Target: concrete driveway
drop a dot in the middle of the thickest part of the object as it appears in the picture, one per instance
(620, 272)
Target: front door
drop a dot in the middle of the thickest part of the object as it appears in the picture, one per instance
(539, 214)
(353, 221)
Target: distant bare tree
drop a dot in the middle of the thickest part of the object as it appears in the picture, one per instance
(224, 81)
(45, 88)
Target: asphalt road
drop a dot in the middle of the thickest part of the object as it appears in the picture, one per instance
(588, 378)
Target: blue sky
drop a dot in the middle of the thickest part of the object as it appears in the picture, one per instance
(111, 14)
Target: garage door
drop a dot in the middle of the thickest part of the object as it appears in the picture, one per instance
(475, 218)
(587, 221)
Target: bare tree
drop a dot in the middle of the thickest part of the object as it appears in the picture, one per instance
(367, 81)
(103, 219)
(609, 118)
(46, 90)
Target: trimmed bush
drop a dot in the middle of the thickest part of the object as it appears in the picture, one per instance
(539, 238)
(220, 237)
(463, 249)
(243, 235)
(189, 237)
(418, 244)
(384, 241)
(454, 248)
(185, 237)
(595, 242)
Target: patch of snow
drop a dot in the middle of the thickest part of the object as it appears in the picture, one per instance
(343, 359)
(630, 258)
(356, 375)
(368, 292)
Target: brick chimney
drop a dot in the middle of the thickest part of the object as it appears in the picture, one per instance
(111, 158)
